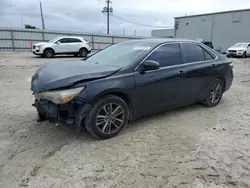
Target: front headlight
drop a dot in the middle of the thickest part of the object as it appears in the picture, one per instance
(60, 96)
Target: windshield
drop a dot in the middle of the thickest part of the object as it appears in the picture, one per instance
(54, 40)
(242, 45)
(121, 54)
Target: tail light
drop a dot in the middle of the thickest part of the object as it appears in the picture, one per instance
(231, 66)
(89, 44)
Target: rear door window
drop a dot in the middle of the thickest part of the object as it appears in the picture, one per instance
(208, 56)
(167, 55)
(192, 52)
(73, 40)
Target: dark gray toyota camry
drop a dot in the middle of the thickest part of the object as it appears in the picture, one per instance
(130, 80)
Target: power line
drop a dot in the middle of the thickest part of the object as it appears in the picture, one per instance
(140, 24)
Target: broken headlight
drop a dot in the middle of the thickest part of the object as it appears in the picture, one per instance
(60, 96)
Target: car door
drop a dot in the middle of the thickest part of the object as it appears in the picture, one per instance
(61, 46)
(199, 70)
(162, 88)
(248, 49)
(74, 45)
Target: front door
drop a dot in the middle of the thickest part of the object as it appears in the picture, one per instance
(248, 50)
(62, 46)
(162, 88)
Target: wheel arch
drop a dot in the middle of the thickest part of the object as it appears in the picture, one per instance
(120, 94)
(223, 80)
(83, 48)
(49, 48)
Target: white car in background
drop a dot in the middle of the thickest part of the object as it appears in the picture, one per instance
(241, 49)
(63, 45)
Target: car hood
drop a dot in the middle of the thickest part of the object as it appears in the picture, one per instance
(63, 74)
(237, 48)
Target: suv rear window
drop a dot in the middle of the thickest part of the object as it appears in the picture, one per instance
(74, 40)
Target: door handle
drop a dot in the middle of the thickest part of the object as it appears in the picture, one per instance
(180, 72)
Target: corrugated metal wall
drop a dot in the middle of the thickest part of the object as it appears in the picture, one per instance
(223, 29)
(21, 39)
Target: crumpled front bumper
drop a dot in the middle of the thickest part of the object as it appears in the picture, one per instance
(69, 113)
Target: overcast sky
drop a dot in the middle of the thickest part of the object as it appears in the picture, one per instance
(86, 16)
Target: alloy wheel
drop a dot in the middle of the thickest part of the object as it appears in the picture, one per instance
(110, 118)
(215, 93)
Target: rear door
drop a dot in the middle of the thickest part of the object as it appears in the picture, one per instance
(74, 45)
(162, 88)
(199, 70)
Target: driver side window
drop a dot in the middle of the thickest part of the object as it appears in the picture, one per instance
(64, 40)
(167, 55)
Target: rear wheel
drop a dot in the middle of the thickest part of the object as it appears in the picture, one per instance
(107, 118)
(48, 53)
(214, 93)
(83, 52)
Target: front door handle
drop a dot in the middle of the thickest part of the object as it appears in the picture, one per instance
(180, 72)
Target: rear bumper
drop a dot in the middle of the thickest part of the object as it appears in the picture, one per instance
(69, 113)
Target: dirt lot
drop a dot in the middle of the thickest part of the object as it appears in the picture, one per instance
(189, 147)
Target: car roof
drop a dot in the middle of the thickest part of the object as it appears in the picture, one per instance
(162, 40)
(71, 37)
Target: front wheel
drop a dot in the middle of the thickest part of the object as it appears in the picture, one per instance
(244, 55)
(214, 93)
(48, 53)
(107, 118)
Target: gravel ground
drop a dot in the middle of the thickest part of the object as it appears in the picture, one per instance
(192, 146)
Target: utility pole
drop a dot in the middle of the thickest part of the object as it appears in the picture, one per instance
(124, 30)
(41, 9)
(107, 10)
(134, 32)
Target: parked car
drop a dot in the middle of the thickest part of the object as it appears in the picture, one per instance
(63, 45)
(241, 49)
(130, 80)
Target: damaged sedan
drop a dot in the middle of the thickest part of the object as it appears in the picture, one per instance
(127, 81)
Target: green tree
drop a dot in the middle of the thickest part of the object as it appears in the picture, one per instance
(27, 26)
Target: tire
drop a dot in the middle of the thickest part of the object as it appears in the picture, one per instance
(244, 55)
(83, 52)
(108, 126)
(48, 53)
(214, 93)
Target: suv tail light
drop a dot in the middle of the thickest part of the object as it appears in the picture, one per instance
(89, 44)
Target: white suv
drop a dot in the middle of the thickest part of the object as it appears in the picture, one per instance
(241, 49)
(63, 45)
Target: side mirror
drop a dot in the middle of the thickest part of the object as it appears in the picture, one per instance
(150, 65)
(58, 42)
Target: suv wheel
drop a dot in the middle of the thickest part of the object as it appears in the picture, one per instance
(244, 55)
(83, 52)
(214, 94)
(48, 53)
(107, 118)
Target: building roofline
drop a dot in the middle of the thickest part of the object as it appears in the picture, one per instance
(206, 14)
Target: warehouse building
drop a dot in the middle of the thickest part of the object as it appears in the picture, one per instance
(224, 29)
(162, 33)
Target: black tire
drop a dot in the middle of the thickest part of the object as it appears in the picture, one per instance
(244, 55)
(209, 102)
(83, 52)
(48, 53)
(76, 54)
(90, 121)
